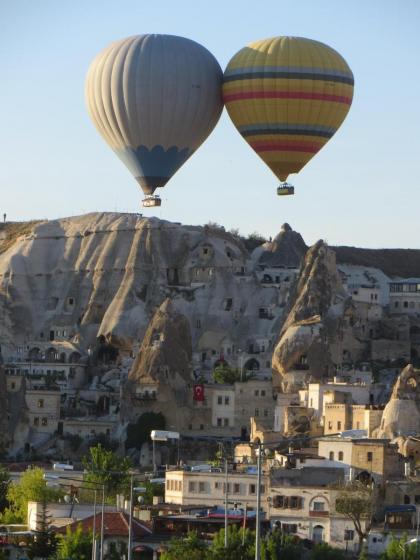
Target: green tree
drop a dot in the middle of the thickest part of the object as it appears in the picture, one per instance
(324, 551)
(31, 487)
(189, 548)
(44, 542)
(76, 545)
(399, 550)
(106, 467)
(235, 550)
(357, 502)
(152, 490)
(139, 433)
(4, 486)
(279, 545)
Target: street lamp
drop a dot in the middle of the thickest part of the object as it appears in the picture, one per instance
(259, 450)
(140, 489)
(162, 435)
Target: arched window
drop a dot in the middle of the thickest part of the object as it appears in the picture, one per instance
(331, 455)
(340, 455)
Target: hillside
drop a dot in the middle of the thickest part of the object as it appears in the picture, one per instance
(404, 263)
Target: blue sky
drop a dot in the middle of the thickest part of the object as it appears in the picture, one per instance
(361, 189)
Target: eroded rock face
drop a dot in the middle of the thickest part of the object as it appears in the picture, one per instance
(4, 431)
(287, 249)
(166, 352)
(317, 305)
(401, 416)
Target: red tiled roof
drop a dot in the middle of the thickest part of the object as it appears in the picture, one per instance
(115, 525)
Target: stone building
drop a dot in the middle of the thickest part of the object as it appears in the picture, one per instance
(343, 416)
(378, 458)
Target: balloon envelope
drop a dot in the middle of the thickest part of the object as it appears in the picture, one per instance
(154, 99)
(287, 96)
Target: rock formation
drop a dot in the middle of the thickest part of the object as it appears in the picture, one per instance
(401, 416)
(317, 304)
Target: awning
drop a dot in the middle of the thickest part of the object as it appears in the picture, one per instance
(400, 509)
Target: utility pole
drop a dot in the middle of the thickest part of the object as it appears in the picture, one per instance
(226, 503)
(101, 554)
(258, 513)
(94, 527)
(130, 522)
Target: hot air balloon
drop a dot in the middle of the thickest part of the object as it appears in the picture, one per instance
(287, 96)
(154, 99)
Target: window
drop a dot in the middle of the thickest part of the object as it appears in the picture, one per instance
(369, 456)
(263, 393)
(340, 455)
(236, 488)
(294, 502)
(265, 412)
(219, 422)
(201, 426)
(219, 399)
(256, 392)
(289, 527)
(44, 421)
(330, 424)
(168, 484)
(252, 488)
(338, 425)
(278, 501)
(357, 425)
(225, 422)
(257, 412)
(227, 400)
(417, 499)
(217, 485)
(36, 421)
(319, 506)
(40, 403)
(348, 534)
(192, 486)
(201, 487)
(406, 499)
(331, 455)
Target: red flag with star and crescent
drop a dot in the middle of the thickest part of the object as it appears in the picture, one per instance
(199, 392)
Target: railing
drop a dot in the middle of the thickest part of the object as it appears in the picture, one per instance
(314, 513)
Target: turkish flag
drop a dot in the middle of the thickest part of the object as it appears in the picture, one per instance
(199, 392)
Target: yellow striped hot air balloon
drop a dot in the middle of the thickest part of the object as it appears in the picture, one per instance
(287, 96)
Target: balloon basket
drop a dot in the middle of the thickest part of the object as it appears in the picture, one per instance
(285, 189)
(151, 201)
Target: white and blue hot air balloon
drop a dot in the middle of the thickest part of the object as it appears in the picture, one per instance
(154, 99)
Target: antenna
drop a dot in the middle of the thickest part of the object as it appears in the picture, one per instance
(4, 218)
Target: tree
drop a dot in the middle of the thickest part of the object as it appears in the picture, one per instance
(31, 487)
(4, 486)
(235, 550)
(278, 545)
(76, 545)
(399, 550)
(324, 551)
(106, 467)
(224, 374)
(357, 502)
(139, 433)
(189, 548)
(44, 542)
(152, 490)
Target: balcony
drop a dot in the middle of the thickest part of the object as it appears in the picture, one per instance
(314, 513)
